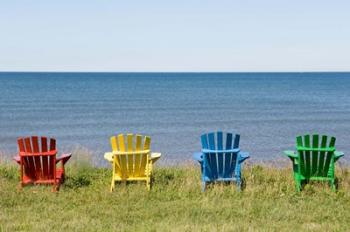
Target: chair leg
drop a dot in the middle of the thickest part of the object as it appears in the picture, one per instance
(148, 183)
(20, 186)
(112, 185)
(204, 186)
(298, 185)
(55, 187)
(332, 184)
(239, 184)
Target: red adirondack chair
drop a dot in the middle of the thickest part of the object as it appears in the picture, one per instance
(38, 161)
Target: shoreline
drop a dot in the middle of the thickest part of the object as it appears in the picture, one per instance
(80, 156)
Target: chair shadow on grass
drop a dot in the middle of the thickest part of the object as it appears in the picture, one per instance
(227, 184)
(310, 185)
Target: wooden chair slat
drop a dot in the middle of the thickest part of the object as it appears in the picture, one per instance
(28, 145)
(52, 144)
(21, 146)
(206, 157)
(143, 157)
(322, 156)
(130, 157)
(147, 143)
(315, 154)
(237, 138)
(228, 156)
(213, 156)
(219, 137)
(52, 167)
(138, 157)
(233, 156)
(37, 157)
(329, 158)
(52, 159)
(45, 160)
(114, 144)
(30, 170)
(307, 158)
(122, 160)
(204, 140)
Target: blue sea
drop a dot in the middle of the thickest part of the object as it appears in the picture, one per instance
(82, 110)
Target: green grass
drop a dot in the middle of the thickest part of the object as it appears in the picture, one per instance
(268, 202)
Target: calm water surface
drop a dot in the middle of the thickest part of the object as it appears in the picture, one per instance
(85, 109)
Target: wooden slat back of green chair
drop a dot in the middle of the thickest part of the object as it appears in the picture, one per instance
(315, 157)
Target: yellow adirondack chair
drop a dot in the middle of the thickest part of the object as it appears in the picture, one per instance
(131, 161)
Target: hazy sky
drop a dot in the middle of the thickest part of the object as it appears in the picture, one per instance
(245, 35)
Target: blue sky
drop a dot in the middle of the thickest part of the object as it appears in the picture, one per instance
(189, 35)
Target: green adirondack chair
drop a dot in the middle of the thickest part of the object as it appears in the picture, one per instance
(314, 160)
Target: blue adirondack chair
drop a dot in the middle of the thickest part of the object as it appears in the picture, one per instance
(220, 162)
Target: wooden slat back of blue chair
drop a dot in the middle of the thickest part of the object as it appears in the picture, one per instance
(220, 164)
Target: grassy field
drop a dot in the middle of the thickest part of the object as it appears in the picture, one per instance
(268, 202)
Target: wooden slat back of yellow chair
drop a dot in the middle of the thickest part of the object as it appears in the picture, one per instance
(131, 155)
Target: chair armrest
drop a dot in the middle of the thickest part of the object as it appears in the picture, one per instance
(53, 152)
(108, 156)
(243, 156)
(198, 156)
(155, 156)
(220, 151)
(17, 158)
(64, 158)
(290, 154)
(338, 154)
(131, 152)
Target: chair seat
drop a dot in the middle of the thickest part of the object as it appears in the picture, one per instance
(207, 179)
(154, 156)
(59, 178)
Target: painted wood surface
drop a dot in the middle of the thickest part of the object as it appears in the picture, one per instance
(37, 160)
(220, 158)
(131, 159)
(314, 159)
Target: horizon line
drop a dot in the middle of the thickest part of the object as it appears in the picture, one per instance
(56, 71)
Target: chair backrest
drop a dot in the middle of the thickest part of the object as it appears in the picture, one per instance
(315, 157)
(131, 155)
(217, 162)
(38, 157)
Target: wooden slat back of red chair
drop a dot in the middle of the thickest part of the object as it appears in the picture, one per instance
(38, 159)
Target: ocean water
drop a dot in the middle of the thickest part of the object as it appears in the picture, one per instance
(85, 109)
